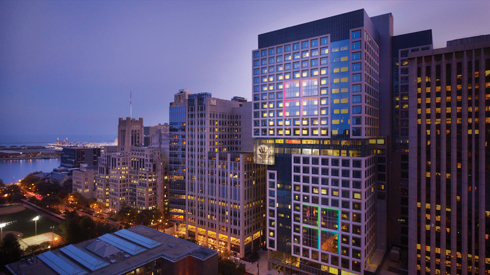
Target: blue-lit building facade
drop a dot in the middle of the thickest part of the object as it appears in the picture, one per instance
(177, 145)
(316, 90)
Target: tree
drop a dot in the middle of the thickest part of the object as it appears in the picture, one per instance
(30, 181)
(127, 214)
(229, 267)
(146, 217)
(88, 227)
(10, 250)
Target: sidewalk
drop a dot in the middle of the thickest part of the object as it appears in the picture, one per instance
(252, 267)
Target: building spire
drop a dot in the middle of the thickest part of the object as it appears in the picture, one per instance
(130, 104)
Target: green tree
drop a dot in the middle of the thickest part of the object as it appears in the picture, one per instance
(10, 250)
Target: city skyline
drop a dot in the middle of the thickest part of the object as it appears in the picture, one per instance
(69, 67)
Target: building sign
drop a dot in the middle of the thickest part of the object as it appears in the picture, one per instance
(212, 102)
(263, 152)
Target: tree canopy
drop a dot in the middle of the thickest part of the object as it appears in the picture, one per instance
(10, 250)
(78, 228)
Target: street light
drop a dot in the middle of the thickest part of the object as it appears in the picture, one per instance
(2, 225)
(52, 232)
(36, 218)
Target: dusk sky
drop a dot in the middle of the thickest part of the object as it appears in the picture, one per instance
(69, 66)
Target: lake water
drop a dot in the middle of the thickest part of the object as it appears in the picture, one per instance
(14, 170)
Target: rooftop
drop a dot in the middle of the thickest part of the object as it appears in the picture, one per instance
(115, 253)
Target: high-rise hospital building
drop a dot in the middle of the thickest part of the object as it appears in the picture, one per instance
(316, 123)
(325, 95)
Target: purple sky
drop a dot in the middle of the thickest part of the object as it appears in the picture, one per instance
(68, 66)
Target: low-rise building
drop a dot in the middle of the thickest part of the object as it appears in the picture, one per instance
(138, 250)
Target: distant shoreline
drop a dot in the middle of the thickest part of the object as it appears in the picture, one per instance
(27, 158)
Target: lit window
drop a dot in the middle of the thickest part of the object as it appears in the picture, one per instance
(310, 107)
(292, 89)
(310, 87)
(324, 51)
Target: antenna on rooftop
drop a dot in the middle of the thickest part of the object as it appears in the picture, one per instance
(130, 104)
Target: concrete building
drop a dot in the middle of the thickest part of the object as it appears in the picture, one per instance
(113, 180)
(225, 191)
(129, 133)
(449, 169)
(84, 181)
(138, 250)
(227, 210)
(72, 157)
(131, 174)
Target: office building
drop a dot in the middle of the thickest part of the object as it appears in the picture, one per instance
(449, 132)
(225, 190)
(176, 164)
(72, 157)
(324, 97)
(84, 181)
(137, 250)
(397, 189)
